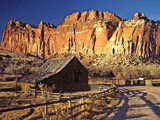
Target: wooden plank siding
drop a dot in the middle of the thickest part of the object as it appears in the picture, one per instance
(68, 75)
(66, 81)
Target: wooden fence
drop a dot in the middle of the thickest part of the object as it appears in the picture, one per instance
(63, 98)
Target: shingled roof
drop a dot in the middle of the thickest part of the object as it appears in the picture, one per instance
(49, 68)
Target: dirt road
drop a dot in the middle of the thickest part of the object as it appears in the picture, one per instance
(137, 103)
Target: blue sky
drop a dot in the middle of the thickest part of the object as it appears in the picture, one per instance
(54, 11)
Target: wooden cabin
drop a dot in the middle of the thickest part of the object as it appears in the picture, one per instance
(68, 75)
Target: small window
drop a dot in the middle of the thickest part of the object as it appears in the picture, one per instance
(76, 76)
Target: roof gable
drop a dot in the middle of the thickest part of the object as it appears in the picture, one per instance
(54, 65)
(49, 68)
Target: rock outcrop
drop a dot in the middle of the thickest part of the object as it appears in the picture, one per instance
(88, 32)
(138, 16)
(139, 37)
(85, 32)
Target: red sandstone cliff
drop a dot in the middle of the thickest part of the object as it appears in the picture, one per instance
(137, 36)
(85, 32)
(90, 33)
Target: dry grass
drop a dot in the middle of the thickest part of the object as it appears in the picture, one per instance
(100, 81)
(16, 63)
(95, 106)
(17, 55)
(99, 66)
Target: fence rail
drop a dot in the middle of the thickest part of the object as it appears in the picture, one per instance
(63, 99)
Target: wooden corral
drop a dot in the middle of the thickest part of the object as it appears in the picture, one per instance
(7, 77)
(67, 74)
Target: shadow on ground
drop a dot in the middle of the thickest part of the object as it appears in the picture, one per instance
(121, 112)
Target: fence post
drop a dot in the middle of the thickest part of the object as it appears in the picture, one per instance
(70, 104)
(83, 105)
(35, 93)
(42, 92)
(60, 95)
(80, 105)
(45, 109)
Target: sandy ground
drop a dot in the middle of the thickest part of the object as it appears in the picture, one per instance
(137, 103)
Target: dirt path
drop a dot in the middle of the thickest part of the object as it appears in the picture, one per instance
(138, 103)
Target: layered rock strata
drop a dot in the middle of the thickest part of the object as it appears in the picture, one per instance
(85, 32)
(137, 36)
(89, 32)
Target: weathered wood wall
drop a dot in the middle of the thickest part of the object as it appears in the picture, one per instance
(67, 81)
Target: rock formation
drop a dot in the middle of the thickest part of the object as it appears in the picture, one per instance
(138, 16)
(138, 36)
(88, 32)
(85, 32)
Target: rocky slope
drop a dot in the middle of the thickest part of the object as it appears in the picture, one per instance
(91, 32)
(14, 65)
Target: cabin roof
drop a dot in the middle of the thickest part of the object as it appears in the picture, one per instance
(49, 68)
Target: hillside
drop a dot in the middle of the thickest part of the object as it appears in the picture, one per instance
(14, 65)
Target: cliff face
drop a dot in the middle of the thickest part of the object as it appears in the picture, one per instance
(85, 32)
(138, 36)
(21, 37)
(89, 33)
